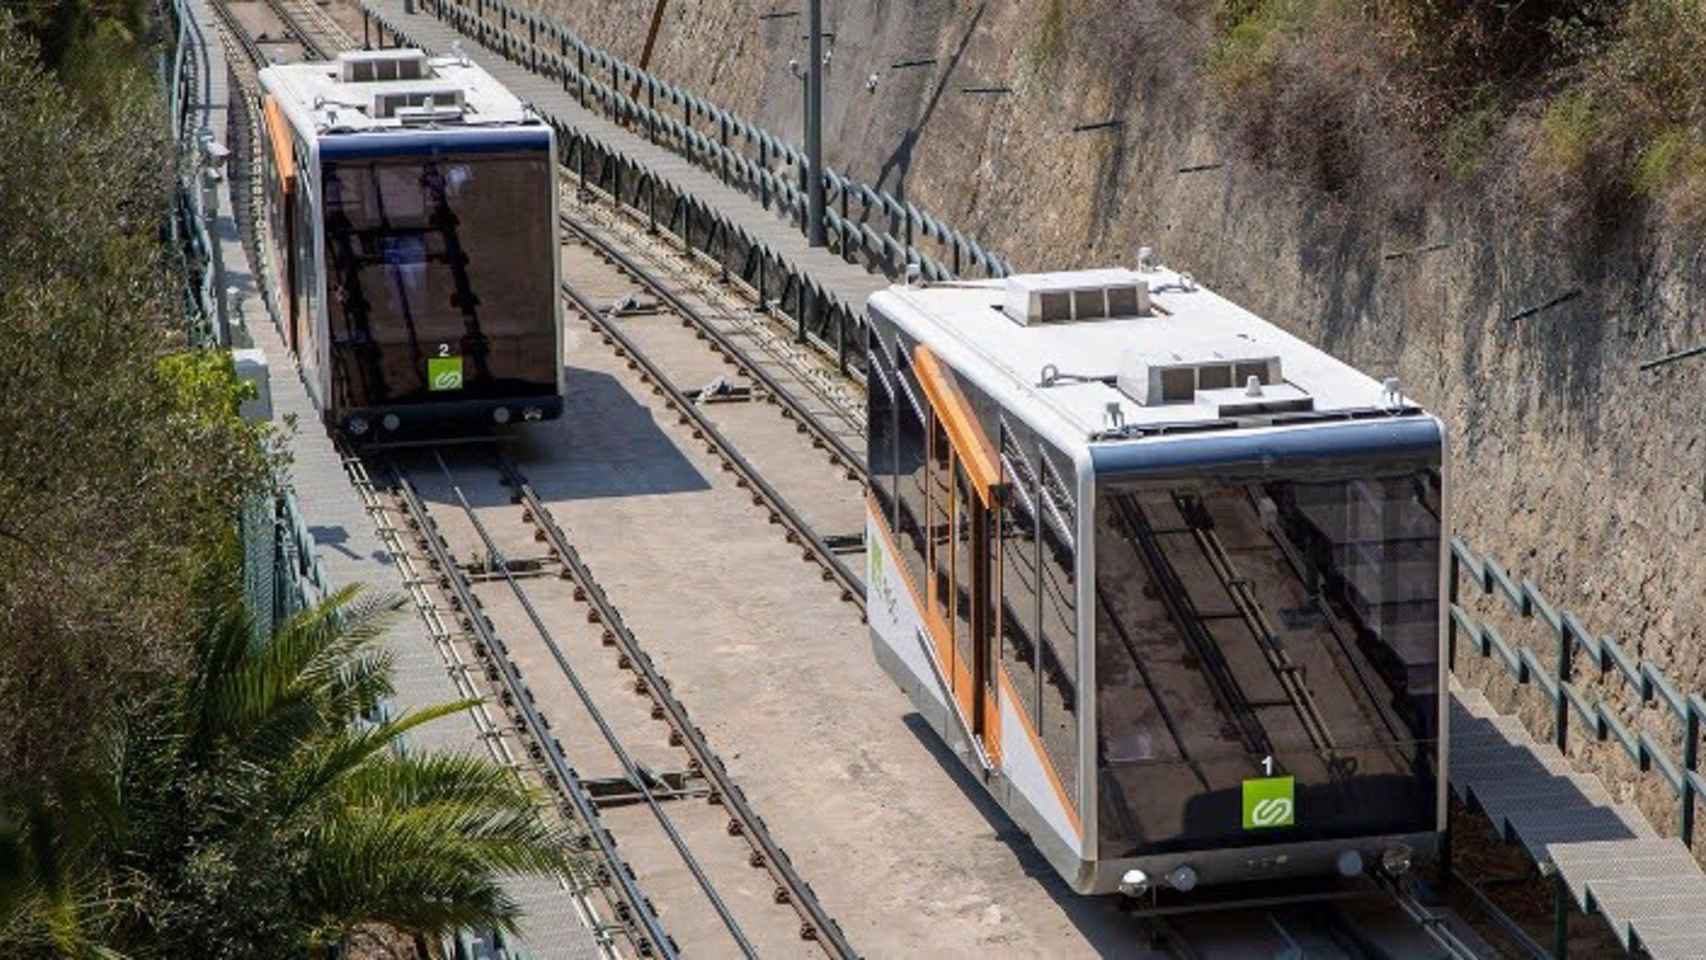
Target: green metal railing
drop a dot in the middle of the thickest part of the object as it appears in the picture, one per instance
(281, 571)
(1557, 677)
(739, 151)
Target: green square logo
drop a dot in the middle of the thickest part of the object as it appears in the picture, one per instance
(444, 373)
(1269, 802)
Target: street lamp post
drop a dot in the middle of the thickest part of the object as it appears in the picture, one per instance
(815, 233)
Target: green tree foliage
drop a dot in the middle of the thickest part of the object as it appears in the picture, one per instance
(120, 470)
(262, 808)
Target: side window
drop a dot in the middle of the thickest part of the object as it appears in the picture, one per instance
(911, 456)
(880, 455)
(1038, 618)
(1057, 629)
(1020, 597)
(939, 529)
(306, 274)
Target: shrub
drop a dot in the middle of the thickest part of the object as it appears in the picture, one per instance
(1464, 145)
(120, 471)
(1257, 34)
(1568, 131)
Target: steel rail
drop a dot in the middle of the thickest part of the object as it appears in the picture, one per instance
(640, 908)
(816, 923)
(459, 669)
(236, 31)
(295, 26)
(852, 589)
(1433, 924)
(842, 454)
(628, 208)
(629, 767)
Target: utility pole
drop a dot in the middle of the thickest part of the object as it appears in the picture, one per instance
(651, 40)
(815, 234)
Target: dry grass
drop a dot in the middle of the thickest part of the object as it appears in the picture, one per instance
(1616, 85)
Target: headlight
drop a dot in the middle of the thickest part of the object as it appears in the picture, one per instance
(1350, 863)
(390, 422)
(1135, 883)
(356, 425)
(1395, 859)
(501, 415)
(1182, 879)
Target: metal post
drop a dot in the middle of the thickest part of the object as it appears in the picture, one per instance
(805, 305)
(366, 42)
(801, 176)
(1451, 621)
(841, 340)
(814, 127)
(1690, 761)
(1561, 704)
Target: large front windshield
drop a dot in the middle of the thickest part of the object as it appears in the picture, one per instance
(1267, 658)
(440, 275)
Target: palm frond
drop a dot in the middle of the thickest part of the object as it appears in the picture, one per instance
(317, 672)
(400, 783)
(327, 760)
(411, 870)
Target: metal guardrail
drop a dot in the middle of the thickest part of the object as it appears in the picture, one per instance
(187, 83)
(548, 47)
(276, 540)
(1558, 682)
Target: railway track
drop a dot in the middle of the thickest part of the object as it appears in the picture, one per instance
(689, 412)
(626, 791)
(321, 36)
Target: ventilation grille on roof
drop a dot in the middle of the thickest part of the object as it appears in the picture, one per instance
(1211, 373)
(443, 103)
(1076, 297)
(374, 66)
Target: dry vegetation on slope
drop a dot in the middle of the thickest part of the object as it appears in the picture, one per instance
(1595, 100)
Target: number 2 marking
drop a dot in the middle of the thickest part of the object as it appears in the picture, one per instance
(444, 349)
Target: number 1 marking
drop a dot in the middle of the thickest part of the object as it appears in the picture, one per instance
(1268, 765)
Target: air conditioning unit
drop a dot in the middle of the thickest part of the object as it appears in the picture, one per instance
(418, 106)
(379, 66)
(1076, 296)
(1231, 376)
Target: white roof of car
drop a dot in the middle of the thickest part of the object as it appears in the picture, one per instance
(391, 89)
(1065, 378)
